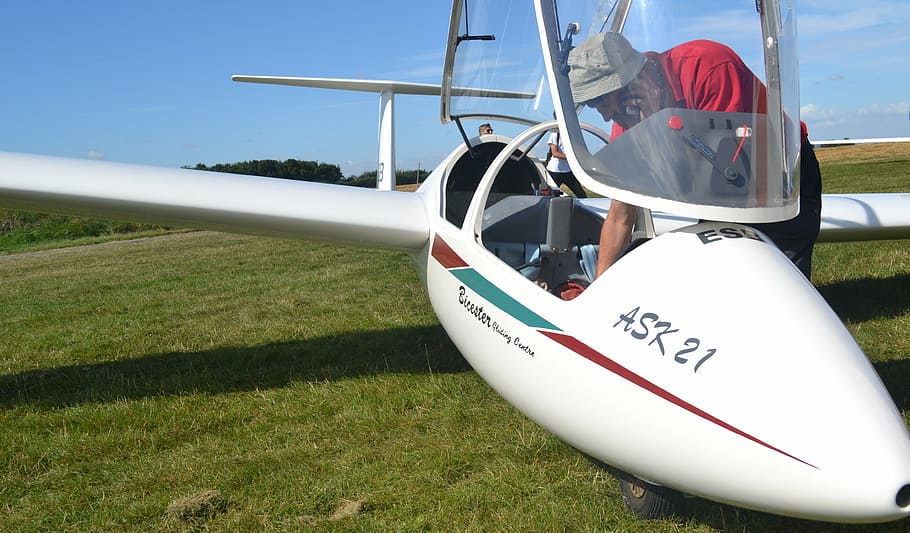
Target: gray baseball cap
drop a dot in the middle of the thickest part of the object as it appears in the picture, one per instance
(603, 63)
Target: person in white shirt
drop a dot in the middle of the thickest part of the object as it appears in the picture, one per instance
(559, 168)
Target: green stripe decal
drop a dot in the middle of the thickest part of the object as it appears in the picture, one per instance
(500, 299)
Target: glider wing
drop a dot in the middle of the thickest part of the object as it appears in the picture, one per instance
(216, 201)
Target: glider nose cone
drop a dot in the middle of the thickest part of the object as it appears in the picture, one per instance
(758, 384)
(903, 498)
(889, 506)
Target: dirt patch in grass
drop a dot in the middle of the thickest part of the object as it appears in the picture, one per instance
(347, 508)
(198, 506)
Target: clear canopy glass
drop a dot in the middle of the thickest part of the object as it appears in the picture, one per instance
(701, 100)
(494, 68)
(717, 137)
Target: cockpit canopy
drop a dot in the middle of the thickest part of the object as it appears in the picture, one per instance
(707, 93)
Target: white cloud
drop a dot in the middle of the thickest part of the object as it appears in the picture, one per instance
(900, 108)
(95, 155)
(825, 15)
(868, 121)
(831, 32)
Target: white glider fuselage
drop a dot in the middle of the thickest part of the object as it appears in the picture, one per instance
(671, 375)
(703, 360)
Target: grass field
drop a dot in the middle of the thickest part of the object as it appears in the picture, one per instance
(205, 381)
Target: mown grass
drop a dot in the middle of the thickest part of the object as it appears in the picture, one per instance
(297, 377)
(865, 168)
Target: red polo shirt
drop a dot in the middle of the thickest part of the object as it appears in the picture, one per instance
(709, 76)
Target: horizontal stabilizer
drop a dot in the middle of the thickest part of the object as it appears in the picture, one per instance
(216, 201)
(378, 86)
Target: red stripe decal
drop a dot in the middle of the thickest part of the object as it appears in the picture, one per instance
(445, 255)
(596, 357)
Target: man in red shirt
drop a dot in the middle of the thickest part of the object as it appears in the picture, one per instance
(626, 86)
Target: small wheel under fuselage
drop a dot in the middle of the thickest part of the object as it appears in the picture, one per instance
(648, 501)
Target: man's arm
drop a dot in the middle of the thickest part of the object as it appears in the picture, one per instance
(615, 233)
(556, 152)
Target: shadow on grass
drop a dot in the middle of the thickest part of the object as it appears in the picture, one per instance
(410, 350)
(895, 375)
(857, 300)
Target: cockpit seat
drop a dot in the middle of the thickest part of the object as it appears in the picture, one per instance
(559, 254)
(547, 239)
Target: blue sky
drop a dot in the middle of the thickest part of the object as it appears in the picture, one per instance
(149, 83)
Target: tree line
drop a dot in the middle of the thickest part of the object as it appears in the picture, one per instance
(295, 169)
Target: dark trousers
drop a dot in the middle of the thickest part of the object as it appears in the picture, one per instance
(796, 237)
(570, 181)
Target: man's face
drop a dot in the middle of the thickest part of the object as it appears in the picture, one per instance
(486, 130)
(606, 104)
(639, 99)
(611, 107)
(631, 104)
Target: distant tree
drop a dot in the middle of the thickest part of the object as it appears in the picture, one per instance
(367, 179)
(402, 177)
(293, 169)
